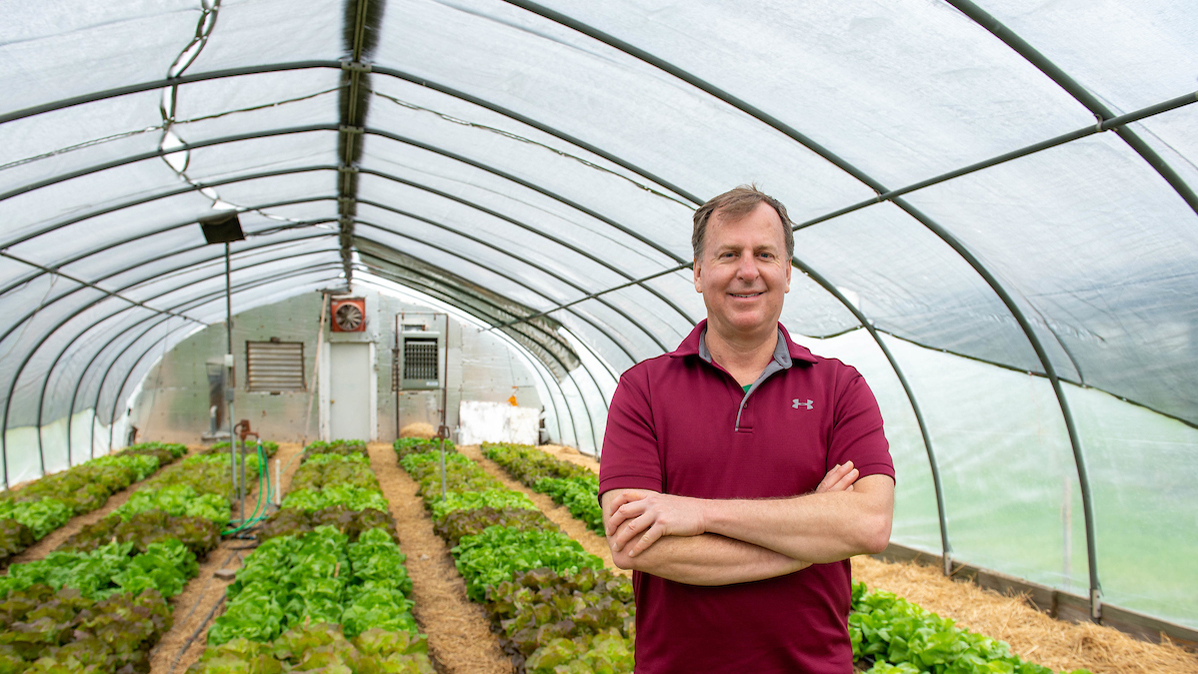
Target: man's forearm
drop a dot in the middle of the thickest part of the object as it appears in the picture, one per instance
(709, 559)
(820, 527)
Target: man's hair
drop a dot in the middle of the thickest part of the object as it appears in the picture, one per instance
(734, 205)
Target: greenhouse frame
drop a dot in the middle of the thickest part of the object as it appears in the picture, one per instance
(994, 206)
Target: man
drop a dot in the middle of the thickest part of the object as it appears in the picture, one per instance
(740, 472)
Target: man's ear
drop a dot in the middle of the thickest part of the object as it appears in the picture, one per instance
(789, 268)
(699, 280)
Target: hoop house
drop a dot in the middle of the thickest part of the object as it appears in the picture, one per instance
(995, 208)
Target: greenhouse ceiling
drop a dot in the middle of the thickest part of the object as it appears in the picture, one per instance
(1010, 182)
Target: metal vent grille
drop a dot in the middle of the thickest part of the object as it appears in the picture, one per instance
(420, 359)
(275, 367)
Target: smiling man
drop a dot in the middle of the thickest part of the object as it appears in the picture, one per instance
(740, 472)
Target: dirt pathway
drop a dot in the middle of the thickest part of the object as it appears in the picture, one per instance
(459, 635)
(460, 639)
(59, 536)
(560, 515)
(195, 607)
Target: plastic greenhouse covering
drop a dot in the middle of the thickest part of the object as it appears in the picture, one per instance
(995, 214)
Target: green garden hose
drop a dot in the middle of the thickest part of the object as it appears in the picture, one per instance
(264, 487)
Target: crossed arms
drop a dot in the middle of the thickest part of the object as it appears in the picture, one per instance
(720, 542)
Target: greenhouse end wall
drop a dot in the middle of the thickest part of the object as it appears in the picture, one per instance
(173, 404)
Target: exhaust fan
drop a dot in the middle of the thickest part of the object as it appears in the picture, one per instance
(349, 314)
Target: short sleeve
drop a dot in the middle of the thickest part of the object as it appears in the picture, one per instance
(630, 458)
(857, 433)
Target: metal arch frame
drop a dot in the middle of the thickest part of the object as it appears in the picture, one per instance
(50, 370)
(1078, 92)
(79, 310)
(344, 65)
(944, 235)
(283, 243)
(54, 271)
(437, 293)
(467, 203)
(543, 270)
(186, 147)
(545, 235)
(587, 409)
(207, 298)
(465, 259)
(499, 249)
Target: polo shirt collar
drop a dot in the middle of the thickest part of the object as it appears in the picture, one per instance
(785, 353)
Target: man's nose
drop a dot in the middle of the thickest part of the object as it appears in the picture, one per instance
(747, 269)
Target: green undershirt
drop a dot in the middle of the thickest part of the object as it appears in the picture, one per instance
(746, 388)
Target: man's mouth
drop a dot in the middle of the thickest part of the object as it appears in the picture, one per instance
(746, 295)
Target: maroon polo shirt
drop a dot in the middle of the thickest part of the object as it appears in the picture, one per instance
(680, 424)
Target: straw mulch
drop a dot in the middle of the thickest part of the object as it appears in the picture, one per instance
(459, 635)
(1032, 635)
(418, 430)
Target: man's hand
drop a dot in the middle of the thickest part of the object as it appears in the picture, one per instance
(652, 516)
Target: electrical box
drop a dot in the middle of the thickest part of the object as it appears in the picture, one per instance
(417, 363)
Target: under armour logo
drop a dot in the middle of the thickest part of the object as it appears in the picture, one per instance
(796, 404)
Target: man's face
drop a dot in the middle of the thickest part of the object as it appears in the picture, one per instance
(744, 273)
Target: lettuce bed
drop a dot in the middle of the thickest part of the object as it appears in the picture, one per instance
(327, 589)
(552, 604)
(30, 513)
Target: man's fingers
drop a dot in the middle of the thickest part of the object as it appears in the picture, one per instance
(623, 512)
(651, 536)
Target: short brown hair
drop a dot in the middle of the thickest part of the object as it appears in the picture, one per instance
(736, 204)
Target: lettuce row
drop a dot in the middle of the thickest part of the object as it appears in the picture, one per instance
(165, 566)
(902, 638)
(353, 498)
(549, 600)
(324, 470)
(461, 475)
(320, 647)
(340, 447)
(47, 630)
(318, 577)
(568, 484)
(405, 446)
(580, 495)
(178, 500)
(33, 511)
(491, 557)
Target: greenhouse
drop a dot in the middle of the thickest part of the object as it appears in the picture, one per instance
(390, 243)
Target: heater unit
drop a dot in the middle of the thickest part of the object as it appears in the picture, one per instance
(417, 363)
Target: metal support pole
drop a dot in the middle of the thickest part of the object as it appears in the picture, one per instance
(229, 371)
